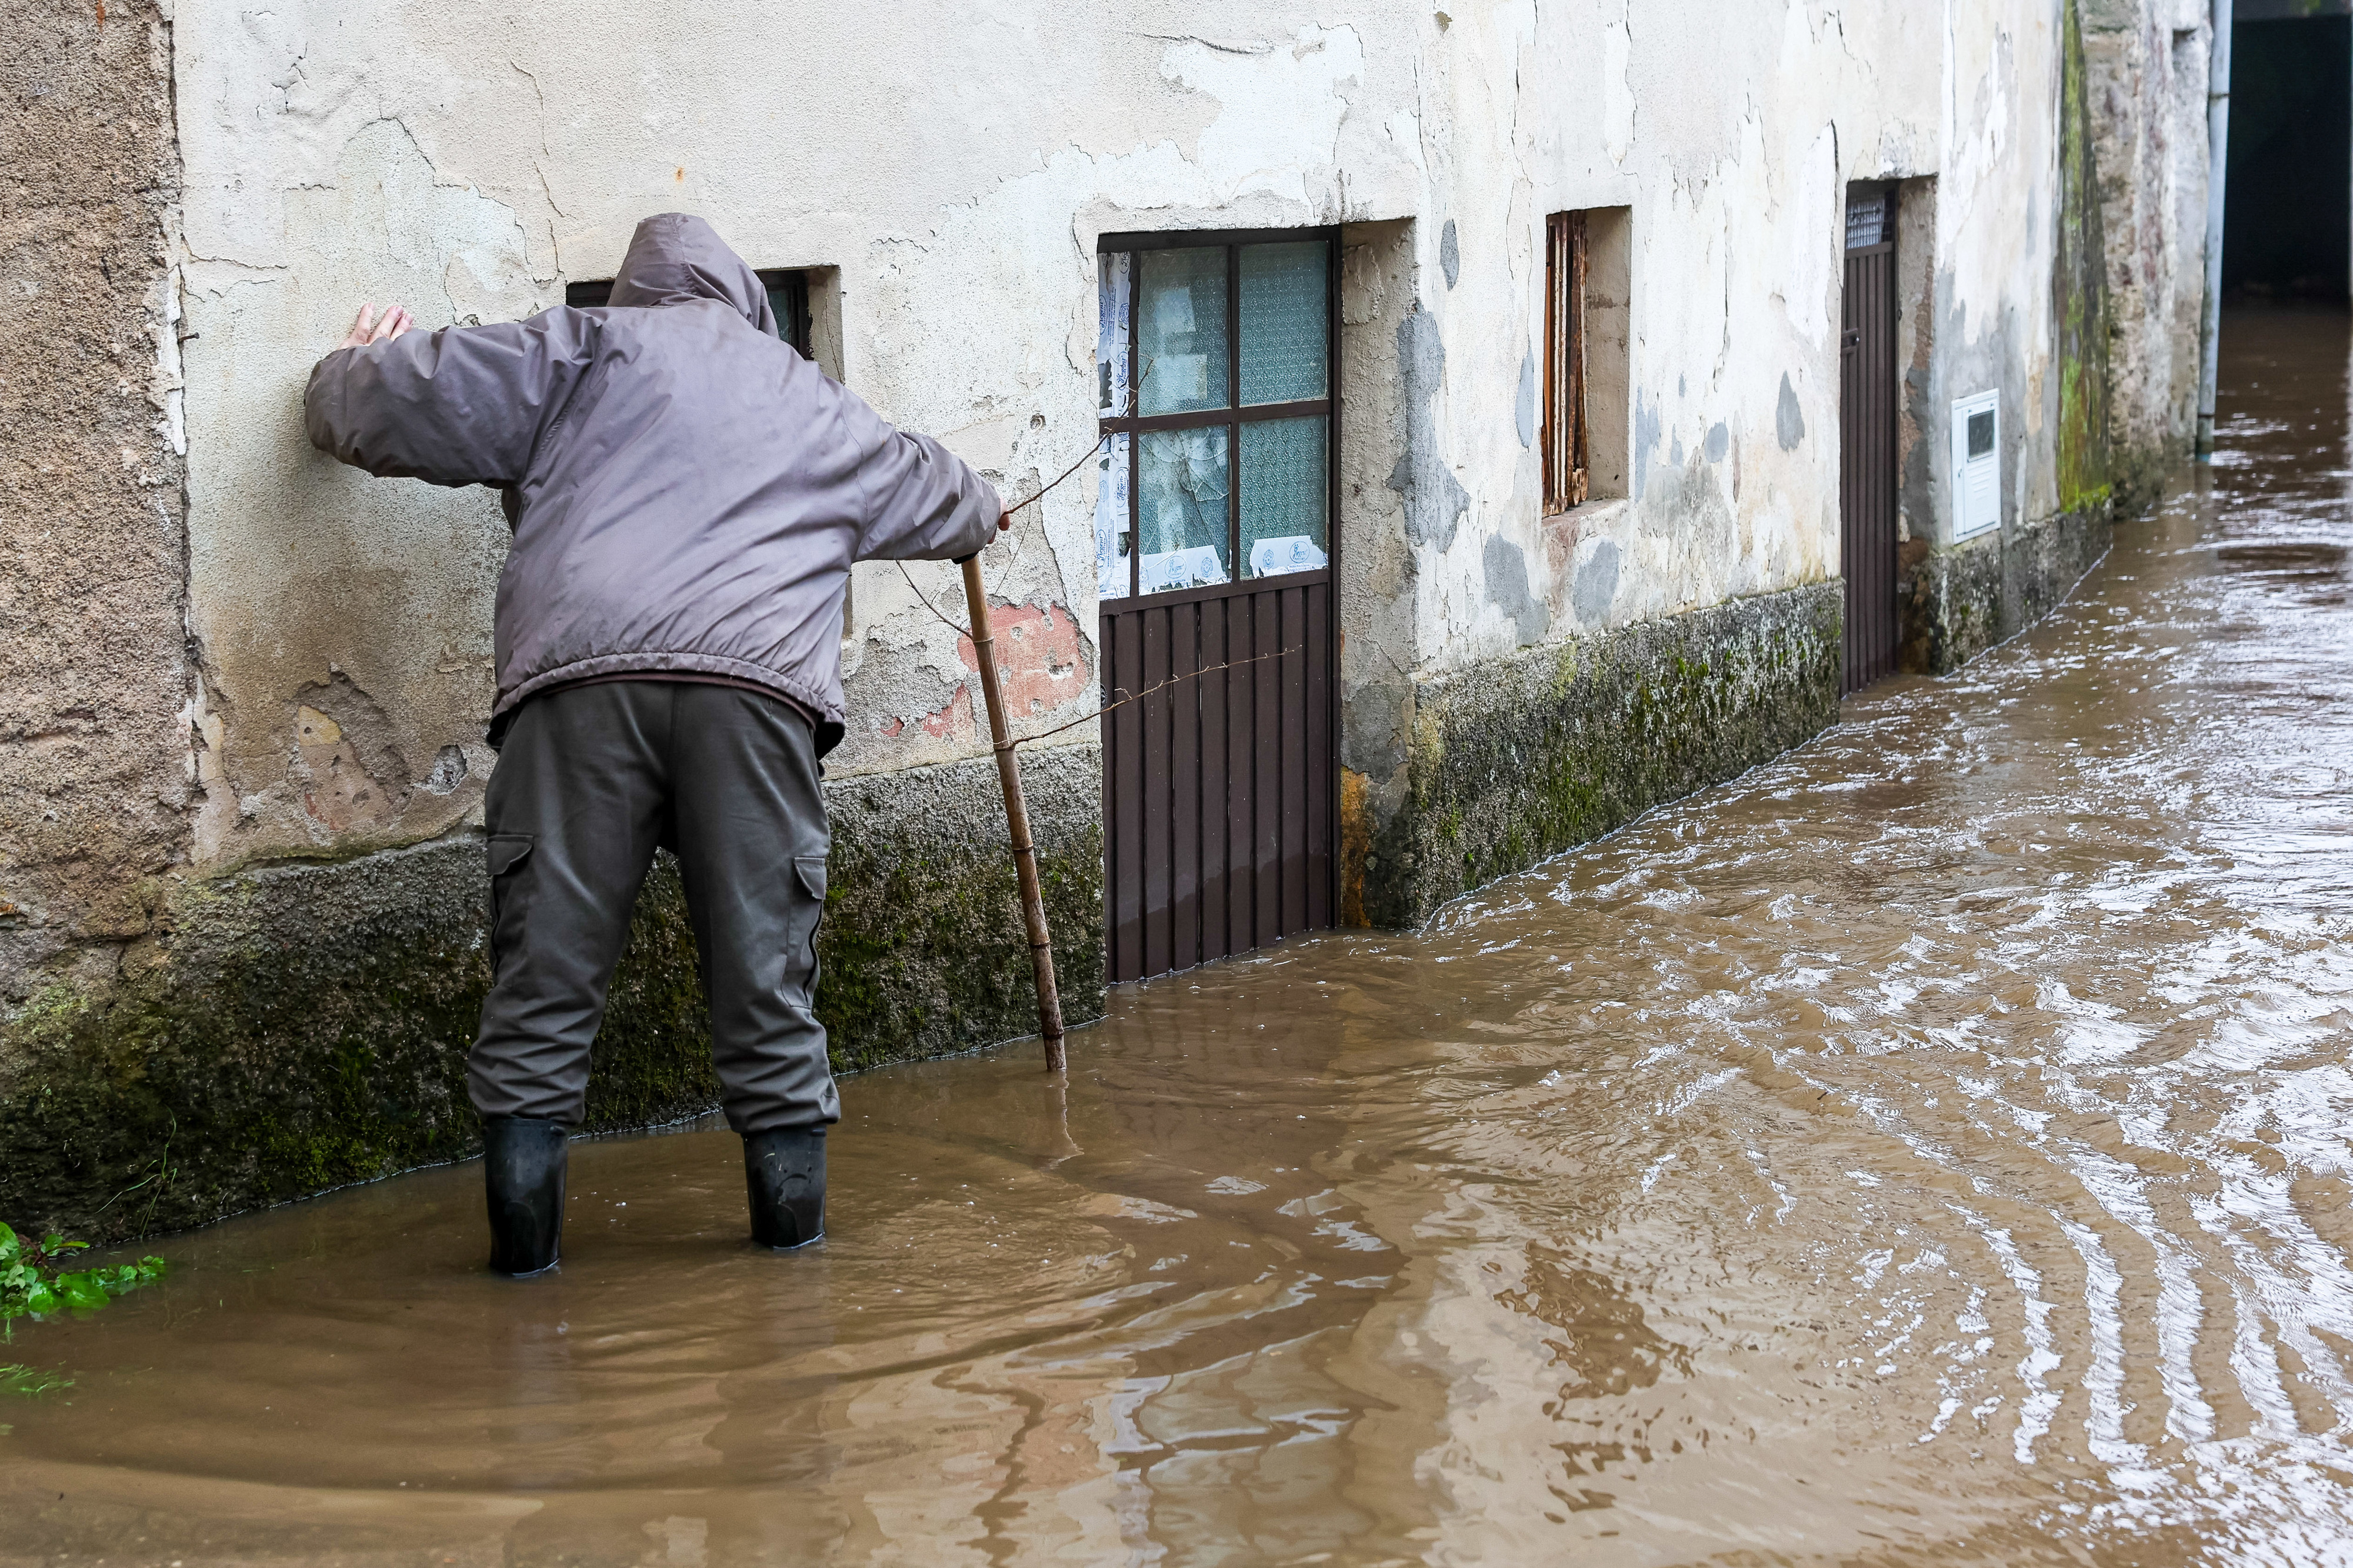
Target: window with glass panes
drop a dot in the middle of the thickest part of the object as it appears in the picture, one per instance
(1216, 534)
(1214, 378)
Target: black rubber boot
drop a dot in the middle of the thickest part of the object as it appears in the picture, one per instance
(786, 1172)
(523, 1167)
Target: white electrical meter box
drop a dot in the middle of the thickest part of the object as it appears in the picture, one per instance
(1977, 465)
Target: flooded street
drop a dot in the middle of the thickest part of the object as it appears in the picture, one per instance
(1928, 1148)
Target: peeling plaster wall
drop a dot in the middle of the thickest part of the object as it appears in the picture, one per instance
(470, 168)
(1734, 162)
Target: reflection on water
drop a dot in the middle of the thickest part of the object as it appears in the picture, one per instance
(1928, 1148)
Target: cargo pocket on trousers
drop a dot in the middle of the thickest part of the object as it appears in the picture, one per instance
(809, 871)
(508, 851)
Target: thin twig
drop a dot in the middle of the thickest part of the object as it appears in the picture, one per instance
(1058, 479)
(960, 631)
(1134, 396)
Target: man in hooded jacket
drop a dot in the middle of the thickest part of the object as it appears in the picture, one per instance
(686, 495)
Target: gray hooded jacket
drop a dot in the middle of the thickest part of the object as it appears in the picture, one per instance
(687, 492)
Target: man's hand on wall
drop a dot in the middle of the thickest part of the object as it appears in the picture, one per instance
(372, 327)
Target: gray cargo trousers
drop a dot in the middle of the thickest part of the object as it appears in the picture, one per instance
(589, 781)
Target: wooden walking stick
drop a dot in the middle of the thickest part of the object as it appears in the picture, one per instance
(1017, 817)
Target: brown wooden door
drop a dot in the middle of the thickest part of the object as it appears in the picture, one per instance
(1867, 448)
(1217, 545)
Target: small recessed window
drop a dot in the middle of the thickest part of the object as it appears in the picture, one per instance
(788, 301)
(1583, 439)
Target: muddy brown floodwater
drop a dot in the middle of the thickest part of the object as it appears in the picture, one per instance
(1928, 1148)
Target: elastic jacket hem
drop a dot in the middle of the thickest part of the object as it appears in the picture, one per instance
(829, 725)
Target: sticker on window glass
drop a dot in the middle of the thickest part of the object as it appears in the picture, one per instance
(1110, 517)
(1292, 552)
(1169, 569)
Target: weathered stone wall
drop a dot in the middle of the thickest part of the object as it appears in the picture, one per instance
(94, 786)
(1548, 747)
(304, 1027)
(2110, 392)
(2146, 63)
(1954, 605)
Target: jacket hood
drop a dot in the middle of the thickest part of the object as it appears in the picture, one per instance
(675, 257)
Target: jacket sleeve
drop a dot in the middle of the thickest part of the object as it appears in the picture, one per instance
(464, 405)
(923, 501)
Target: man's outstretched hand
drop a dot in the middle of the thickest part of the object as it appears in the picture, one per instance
(372, 327)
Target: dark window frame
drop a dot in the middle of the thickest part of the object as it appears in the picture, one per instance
(788, 300)
(1567, 445)
(1234, 415)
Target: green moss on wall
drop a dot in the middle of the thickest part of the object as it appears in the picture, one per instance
(1525, 756)
(922, 947)
(299, 1028)
(2079, 293)
(1952, 604)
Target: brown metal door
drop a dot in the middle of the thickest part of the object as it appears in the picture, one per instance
(1867, 446)
(1217, 785)
(1220, 775)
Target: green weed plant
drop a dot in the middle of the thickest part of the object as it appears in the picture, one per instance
(36, 1282)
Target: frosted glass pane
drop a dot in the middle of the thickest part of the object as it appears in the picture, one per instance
(1183, 480)
(1181, 330)
(1110, 517)
(1285, 485)
(1286, 352)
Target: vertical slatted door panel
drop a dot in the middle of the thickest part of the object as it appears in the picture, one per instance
(1215, 942)
(1122, 646)
(1217, 786)
(1316, 719)
(1155, 866)
(1291, 617)
(1867, 389)
(1851, 425)
(1241, 775)
(1879, 363)
(1266, 856)
(1184, 788)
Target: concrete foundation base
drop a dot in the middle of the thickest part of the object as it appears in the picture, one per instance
(1954, 605)
(1526, 756)
(301, 1027)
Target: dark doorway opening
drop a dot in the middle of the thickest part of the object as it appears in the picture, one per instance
(1867, 436)
(2288, 216)
(1217, 540)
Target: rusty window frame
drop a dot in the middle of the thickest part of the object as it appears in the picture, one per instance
(1567, 439)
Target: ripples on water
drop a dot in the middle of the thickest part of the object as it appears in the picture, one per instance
(1927, 1149)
